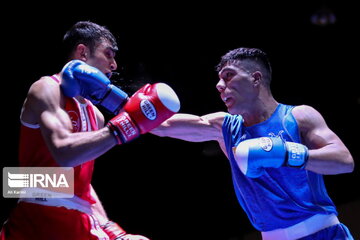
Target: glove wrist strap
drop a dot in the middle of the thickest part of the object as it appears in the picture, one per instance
(297, 155)
(123, 128)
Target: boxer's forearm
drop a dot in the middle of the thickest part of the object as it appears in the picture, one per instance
(192, 128)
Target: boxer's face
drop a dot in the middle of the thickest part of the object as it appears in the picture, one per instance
(235, 87)
(103, 58)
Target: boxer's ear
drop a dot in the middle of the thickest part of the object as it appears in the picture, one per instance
(82, 52)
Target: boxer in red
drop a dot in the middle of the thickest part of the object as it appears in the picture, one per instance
(62, 127)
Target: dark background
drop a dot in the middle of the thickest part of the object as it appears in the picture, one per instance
(170, 189)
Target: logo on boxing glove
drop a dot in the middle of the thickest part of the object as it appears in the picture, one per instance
(126, 126)
(148, 109)
(88, 69)
(266, 144)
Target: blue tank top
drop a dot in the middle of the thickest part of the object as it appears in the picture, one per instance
(283, 196)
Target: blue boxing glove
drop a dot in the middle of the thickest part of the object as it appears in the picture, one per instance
(79, 78)
(254, 155)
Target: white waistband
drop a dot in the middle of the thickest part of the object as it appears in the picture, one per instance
(74, 203)
(302, 229)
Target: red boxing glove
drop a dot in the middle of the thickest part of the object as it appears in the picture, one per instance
(113, 230)
(151, 105)
(144, 111)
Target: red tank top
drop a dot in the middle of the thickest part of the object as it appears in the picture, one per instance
(33, 151)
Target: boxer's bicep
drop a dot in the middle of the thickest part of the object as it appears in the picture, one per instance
(43, 104)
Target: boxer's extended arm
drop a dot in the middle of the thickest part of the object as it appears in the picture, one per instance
(193, 128)
(327, 153)
(43, 107)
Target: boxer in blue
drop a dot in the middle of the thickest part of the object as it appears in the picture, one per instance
(277, 152)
